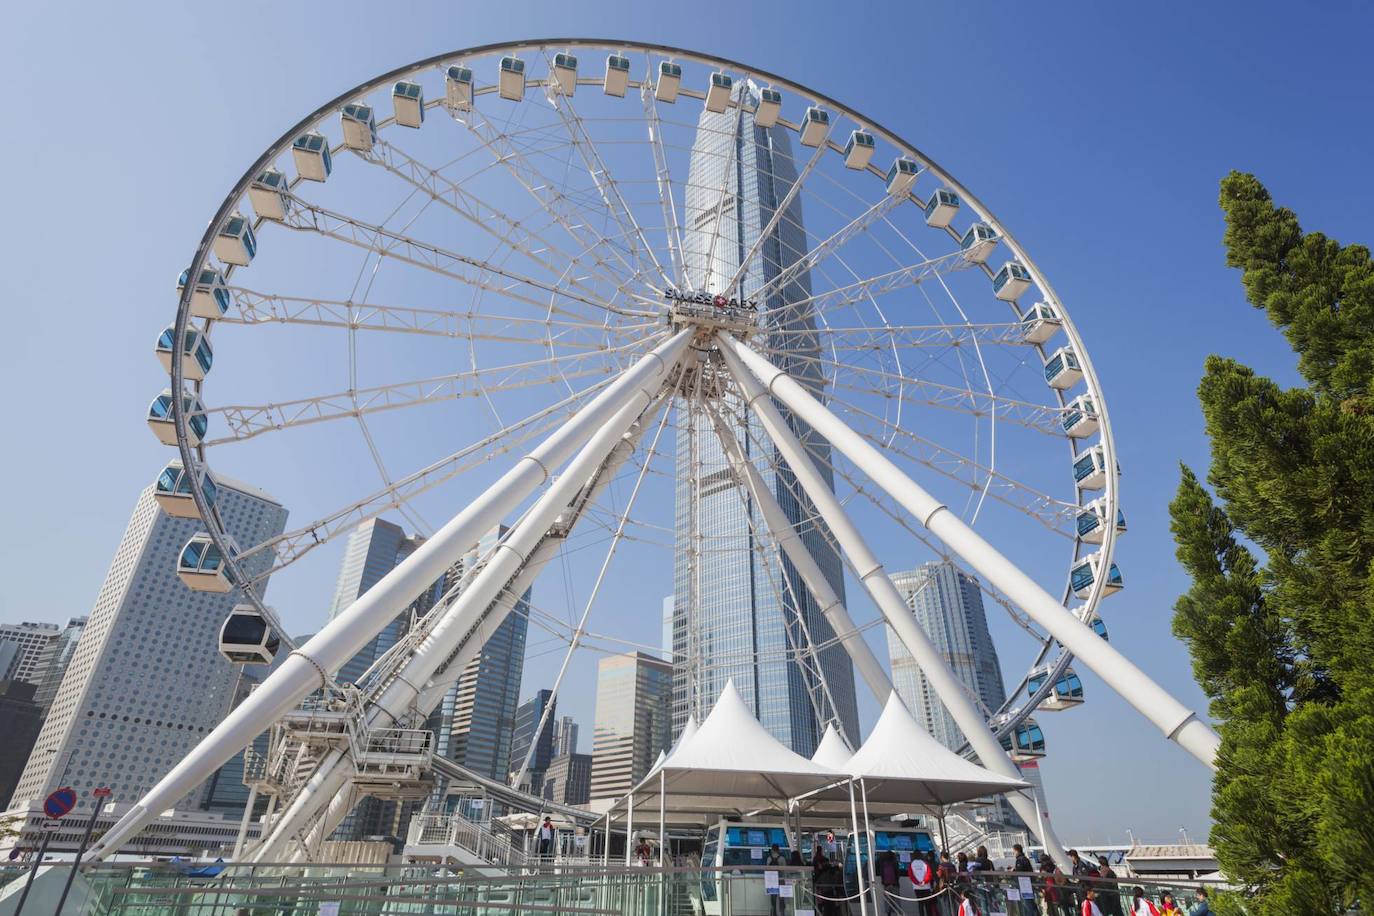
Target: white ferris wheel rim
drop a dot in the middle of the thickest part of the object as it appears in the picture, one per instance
(1019, 705)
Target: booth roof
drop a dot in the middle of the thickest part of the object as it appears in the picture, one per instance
(832, 753)
(901, 763)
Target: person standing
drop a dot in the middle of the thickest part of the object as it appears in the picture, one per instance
(1200, 906)
(1167, 907)
(1109, 895)
(546, 834)
(1090, 907)
(1053, 892)
(966, 905)
(1142, 905)
(890, 876)
(948, 876)
(777, 906)
(922, 878)
(1021, 864)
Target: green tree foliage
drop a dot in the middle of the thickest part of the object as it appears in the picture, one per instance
(1280, 616)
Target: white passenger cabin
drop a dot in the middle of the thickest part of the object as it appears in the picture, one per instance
(718, 92)
(359, 126)
(1079, 419)
(1062, 369)
(564, 73)
(978, 242)
(198, 355)
(1092, 521)
(941, 207)
(769, 107)
(1040, 323)
(1025, 742)
(235, 244)
(617, 76)
(1099, 626)
(1011, 281)
(815, 126)
(740, 844)
(408, 103)
(201, 566)
(160, 418)
(310, 152)
(172, 490)
(858, 149)
(269, 195)
(901, 175)
(246, 638)
(210, 297)
(669, 81)
(1066, 693)
(458, 88)
(511, 84)
(1090, 469)
(1085, 573)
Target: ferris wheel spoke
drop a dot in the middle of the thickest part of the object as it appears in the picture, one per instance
(882, 284)
(247, 421)
(672, 229)
(546, 193)
(292, 545)
(513, 233)
(387, 243)
(604, 181)
(885, 337)
(254, 308)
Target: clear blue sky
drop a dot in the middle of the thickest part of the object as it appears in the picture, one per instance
(1097, 132)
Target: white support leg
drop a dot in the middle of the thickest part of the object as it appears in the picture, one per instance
(1178, 722)
(340, 639)
(875, 579)
(608, 446)
(782, 532)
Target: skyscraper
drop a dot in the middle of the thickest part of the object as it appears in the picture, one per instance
(633, 720)
(736, 605)
(527, 717)
(948, 605)
(29, 639)
(146, 681)
(569, 779)
(20, 720)
(565, 737)
(474, 722)
(53, 662)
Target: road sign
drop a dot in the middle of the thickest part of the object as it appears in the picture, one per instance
(60, 802)
(100, 793)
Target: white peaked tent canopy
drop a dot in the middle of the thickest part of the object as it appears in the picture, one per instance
(731, 764)
(901, 763)
(832, 752)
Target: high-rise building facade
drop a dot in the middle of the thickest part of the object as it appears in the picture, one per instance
(57, 655)
(633, 720)
(569, 779)
(29, 640)
(146, 680)
(475, 721)
(527, 717)
(739, 609)
(565, 737)
(948, 606)
(20, 720)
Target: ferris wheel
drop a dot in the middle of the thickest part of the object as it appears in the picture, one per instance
(597, 291)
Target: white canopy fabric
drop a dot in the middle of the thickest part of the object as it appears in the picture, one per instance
(832, 753)
(901, 763)
(731, 764)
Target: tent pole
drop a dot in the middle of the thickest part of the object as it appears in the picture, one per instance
(629, 826)
(872, 867)
(662, 832)
(858, 848)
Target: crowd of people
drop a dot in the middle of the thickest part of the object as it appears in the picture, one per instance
(941, 886)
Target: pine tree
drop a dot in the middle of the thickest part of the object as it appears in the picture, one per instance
(1280, 616)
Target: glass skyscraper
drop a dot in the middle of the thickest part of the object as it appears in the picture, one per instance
(632, 721)
(735, 604)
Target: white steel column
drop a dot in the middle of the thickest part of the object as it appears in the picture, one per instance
(875, 579)
(782, 531)
(611, 443)
(306, 668)
(1178, 722)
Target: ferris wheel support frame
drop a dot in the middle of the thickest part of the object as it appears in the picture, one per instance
(874, 578)
(341, 638)
(320, 806)
(1178, 723)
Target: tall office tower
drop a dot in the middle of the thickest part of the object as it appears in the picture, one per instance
(474, 722)
(565, 737)
(374, 549)
(52, 664)
(29, 641)
(527, 717)
(146, 681)
(633, 720)
(569, 779)
(20, 719)
(948, 605)
(738, 605)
